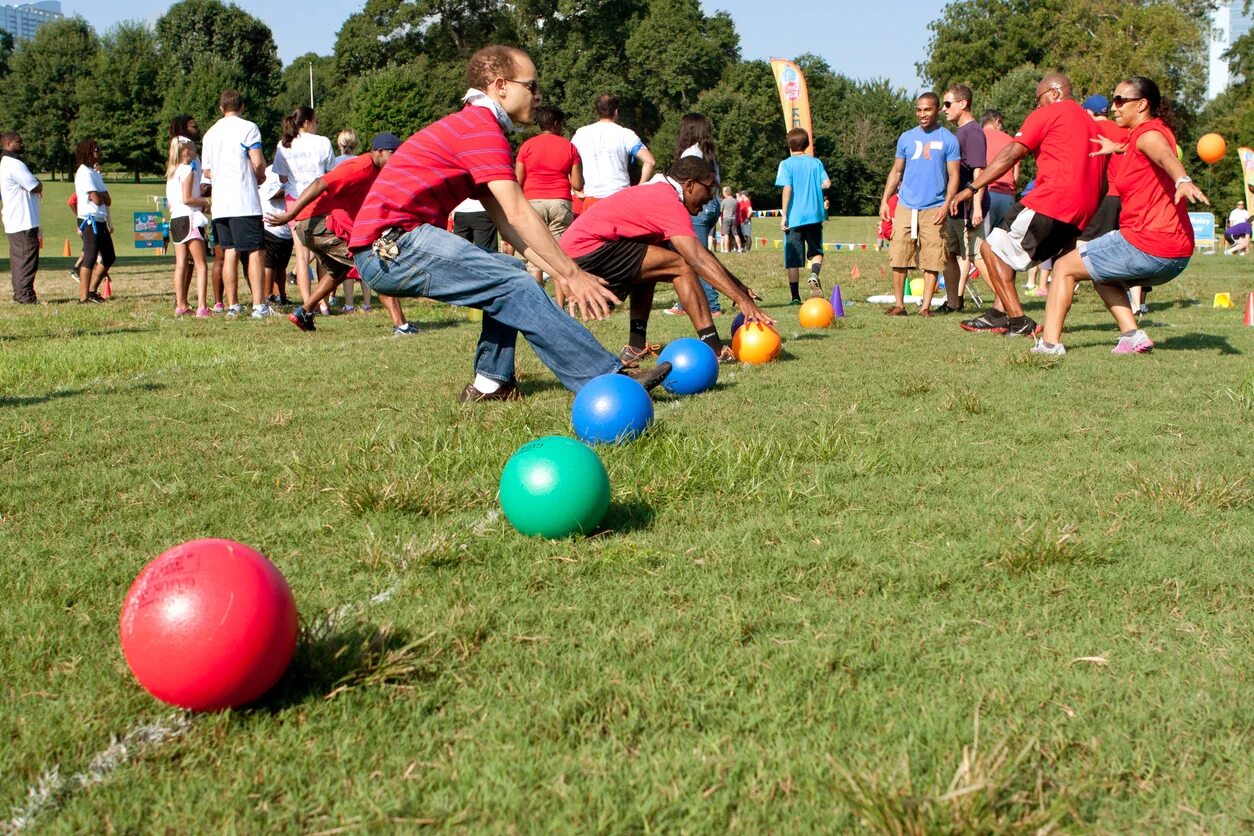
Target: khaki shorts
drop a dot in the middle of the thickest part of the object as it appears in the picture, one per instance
(331, 252)
(928, 248)
(555, 213)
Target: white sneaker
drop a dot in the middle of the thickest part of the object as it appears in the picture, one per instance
(1054, 350)
(406, 330)
(234, 310)
(349, 309)
(261, 312)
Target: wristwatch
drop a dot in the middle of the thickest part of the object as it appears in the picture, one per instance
(1185, 179)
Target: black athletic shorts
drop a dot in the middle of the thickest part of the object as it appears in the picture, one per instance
(802, 243)
(244, 235)
(278, 251)
(1027, 237)
(618, 262)
(1105, 220)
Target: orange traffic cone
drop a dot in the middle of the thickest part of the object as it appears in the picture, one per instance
(106, 289)
(65, 251)
(1249, 310)
(855, 273)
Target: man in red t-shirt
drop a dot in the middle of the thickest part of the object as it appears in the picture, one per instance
(401, 247)
(548, 167)
(324, 214)
(643, 235)
(1049, 219)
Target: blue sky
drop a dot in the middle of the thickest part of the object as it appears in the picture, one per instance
(858, 39)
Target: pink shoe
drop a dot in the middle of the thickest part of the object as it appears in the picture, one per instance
(219, 308)
(1138, 343)
(182, 311)
(1041, 291)
(202, 313)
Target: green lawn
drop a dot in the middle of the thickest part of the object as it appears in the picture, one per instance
(58, 224)
(904, 575)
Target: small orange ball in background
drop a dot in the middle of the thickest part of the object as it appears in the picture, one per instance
(756, 343)
(1211, 148)
(816, 313)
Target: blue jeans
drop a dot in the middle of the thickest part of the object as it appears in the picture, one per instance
(439, 265)
(702, 223)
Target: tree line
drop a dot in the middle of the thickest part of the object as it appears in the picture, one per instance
(398, 64)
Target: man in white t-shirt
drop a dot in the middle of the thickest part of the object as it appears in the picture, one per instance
(607, 149)
(20, 190)
(232, 159)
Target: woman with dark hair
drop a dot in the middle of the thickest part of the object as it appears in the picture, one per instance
(93, 222)
(184, 125)
(696, 139)
(301, 158)
(548, 169)
(1154, 240)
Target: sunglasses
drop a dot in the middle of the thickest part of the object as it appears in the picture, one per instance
(533, 85)
(1120, 101)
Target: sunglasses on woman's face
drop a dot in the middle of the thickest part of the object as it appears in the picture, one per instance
(1120, 101)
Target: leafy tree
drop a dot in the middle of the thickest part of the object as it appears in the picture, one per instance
(676, 52)
(118, 98)
(1014, 95)
(404, 98)
(6, 51)
(41, 92)
(977, 41)
(196, 92)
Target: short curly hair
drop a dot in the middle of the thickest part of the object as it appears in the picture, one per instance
(492, 62)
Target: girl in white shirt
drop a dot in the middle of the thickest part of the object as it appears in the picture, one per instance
(187, 223)
(302, 157)
(93, 222)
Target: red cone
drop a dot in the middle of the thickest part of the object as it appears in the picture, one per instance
(855, 273)
(106, 289)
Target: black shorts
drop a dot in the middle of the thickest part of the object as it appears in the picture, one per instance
(802, 243)
(477, 228)
(1105, 220)
(618, 262)
(244, 235)
(1027, 237)
(278, 251)
(182, 232)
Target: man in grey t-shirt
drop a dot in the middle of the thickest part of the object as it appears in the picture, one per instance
(727, 219)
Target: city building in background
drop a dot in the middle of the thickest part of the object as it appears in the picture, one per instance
(1229, 22)
(22, 21)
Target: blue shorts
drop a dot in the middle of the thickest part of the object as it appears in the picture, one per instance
(1112, 259)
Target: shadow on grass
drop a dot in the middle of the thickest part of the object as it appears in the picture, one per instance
(78, 332)
(1196, 342)
(627, 517)
(31, 400)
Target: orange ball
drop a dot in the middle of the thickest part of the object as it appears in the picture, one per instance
(1211, 148)
(756, 343)
(816, 313)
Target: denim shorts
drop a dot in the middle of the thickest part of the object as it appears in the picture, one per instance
(1112, 259)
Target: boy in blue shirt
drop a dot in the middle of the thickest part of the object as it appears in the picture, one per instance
(803, 179)
(926, 168)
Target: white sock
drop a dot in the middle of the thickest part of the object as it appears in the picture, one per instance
(486, 385)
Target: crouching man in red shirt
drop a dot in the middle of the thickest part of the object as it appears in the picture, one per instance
(402, 249)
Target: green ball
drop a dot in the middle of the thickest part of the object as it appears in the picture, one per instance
(553, 487)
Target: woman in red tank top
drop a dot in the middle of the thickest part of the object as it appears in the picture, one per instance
(1154, 240)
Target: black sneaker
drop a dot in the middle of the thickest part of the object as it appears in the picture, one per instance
(1023, 326)
(989, 322)
(506, 392)
(945, 309)
(649, 378)
(95, 297)
(302, 319)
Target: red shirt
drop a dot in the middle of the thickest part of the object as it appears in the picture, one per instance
(433, 171)
(1110, 130)
(347, 186)
(744, 210)
(1068, 180)
(547, 160)
(1149, 218)
(997, 142)
(652, 213)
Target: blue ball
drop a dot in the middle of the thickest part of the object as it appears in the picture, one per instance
(737, 321)
(694, 366)
(611, 409)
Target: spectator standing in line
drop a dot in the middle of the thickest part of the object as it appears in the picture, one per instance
(695, 139)
(549, 168)
(607, 149)
(1001, 192)
(727, 227)
(93, 222)
(185, 125)
(303, 155)
(233, 160)
(803, 180)
(926, 170)
(21, 192)
(744, 216)
(962, 229)
(472, 222)
(278, 238)
(187, 224)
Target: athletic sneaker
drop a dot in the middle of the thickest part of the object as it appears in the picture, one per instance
(726, 355)
(367, 308)
(990, 322)
(272, 299)
(506, 392)
(649, 378)
(630, 357)
(1138, 343)
(261, 312)
(674, 310)
(95, 296)
(946, 309)
(202, 313)
(74, 276)
(349, 309)
(218, 308)
(302, 319)
(794, 302)
(816, 286)
(407, 330)
(1027, 328)
(182, 311)
(234, 310)
(1050, 349)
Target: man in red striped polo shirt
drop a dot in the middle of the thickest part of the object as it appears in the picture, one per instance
(402, 249)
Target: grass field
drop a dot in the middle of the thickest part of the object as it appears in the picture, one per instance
(905, 577)
(58, 224)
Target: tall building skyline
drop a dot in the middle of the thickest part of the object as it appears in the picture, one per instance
(1230, 22)
(22, 21)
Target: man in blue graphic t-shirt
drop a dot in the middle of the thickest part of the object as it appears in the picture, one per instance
(926, 169)
(803, 180)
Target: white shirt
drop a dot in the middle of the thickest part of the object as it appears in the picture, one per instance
(309, 158)
(225, 156)
(174, 189)
(469, 205)
(21, 208)
(1238, 216)
(606, 149)
(87, 179)
(271, 193)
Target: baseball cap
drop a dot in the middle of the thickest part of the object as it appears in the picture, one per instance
(385, 142)
(1096, 103)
